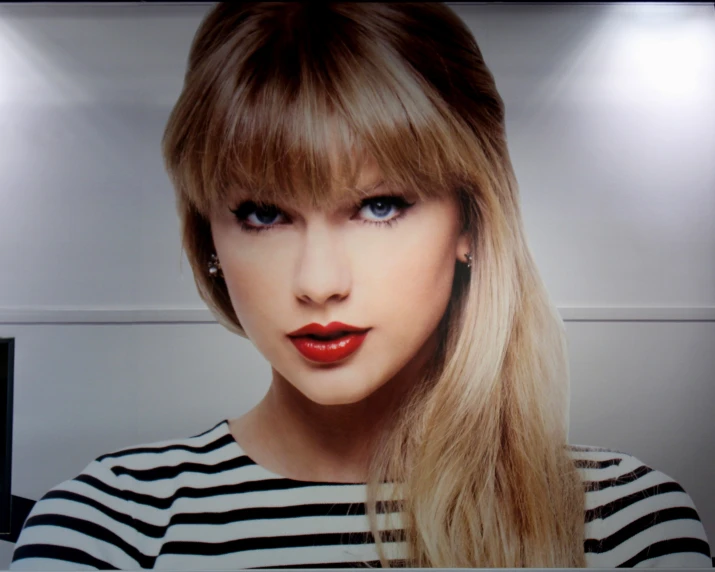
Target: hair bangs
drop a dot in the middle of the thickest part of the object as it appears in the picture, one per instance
(296, 129)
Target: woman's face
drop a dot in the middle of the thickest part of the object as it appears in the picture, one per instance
(382, 265)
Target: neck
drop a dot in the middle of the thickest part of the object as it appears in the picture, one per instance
(300, 439)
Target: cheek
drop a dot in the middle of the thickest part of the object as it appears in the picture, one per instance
(252, 290)
(414, 289)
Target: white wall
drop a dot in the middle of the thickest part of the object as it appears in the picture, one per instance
(612, 129)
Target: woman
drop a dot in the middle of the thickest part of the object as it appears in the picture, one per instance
(348, 204)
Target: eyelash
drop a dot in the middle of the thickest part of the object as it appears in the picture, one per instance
(246, 208)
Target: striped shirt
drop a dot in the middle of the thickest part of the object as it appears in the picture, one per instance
(202, 503)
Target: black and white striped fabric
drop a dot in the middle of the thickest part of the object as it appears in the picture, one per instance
(201, 503)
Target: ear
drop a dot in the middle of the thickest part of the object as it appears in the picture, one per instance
(464, 246)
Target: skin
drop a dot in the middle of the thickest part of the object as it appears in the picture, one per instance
(317, 422)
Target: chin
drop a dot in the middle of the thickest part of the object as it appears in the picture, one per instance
(337, 395)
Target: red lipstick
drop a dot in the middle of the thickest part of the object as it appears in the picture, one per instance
(328, 344)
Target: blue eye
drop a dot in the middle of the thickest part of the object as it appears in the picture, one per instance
(264, 215)
(381, 206)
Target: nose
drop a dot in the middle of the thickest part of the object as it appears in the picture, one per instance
(322, 272)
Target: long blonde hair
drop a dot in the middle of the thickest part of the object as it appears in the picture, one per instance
(272, 91)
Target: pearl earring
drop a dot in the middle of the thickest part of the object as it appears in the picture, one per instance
(214, 266)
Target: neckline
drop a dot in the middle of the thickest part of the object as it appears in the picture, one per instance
(271, 474)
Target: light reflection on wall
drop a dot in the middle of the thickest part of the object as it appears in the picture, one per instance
(666, 54)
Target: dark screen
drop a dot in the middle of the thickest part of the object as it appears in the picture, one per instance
(6, 380)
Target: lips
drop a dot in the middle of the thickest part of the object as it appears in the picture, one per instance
(329, 331)
(328, 344)
(328, 351)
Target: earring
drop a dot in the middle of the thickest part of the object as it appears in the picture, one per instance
(214, 266)
(468, 256)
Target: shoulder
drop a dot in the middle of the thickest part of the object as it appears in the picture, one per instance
(101, 519)
(140, 466)
(637, 515)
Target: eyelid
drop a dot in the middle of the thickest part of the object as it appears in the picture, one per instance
(400, 200)
(360, 203)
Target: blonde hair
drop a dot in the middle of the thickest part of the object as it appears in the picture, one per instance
(286, 100)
